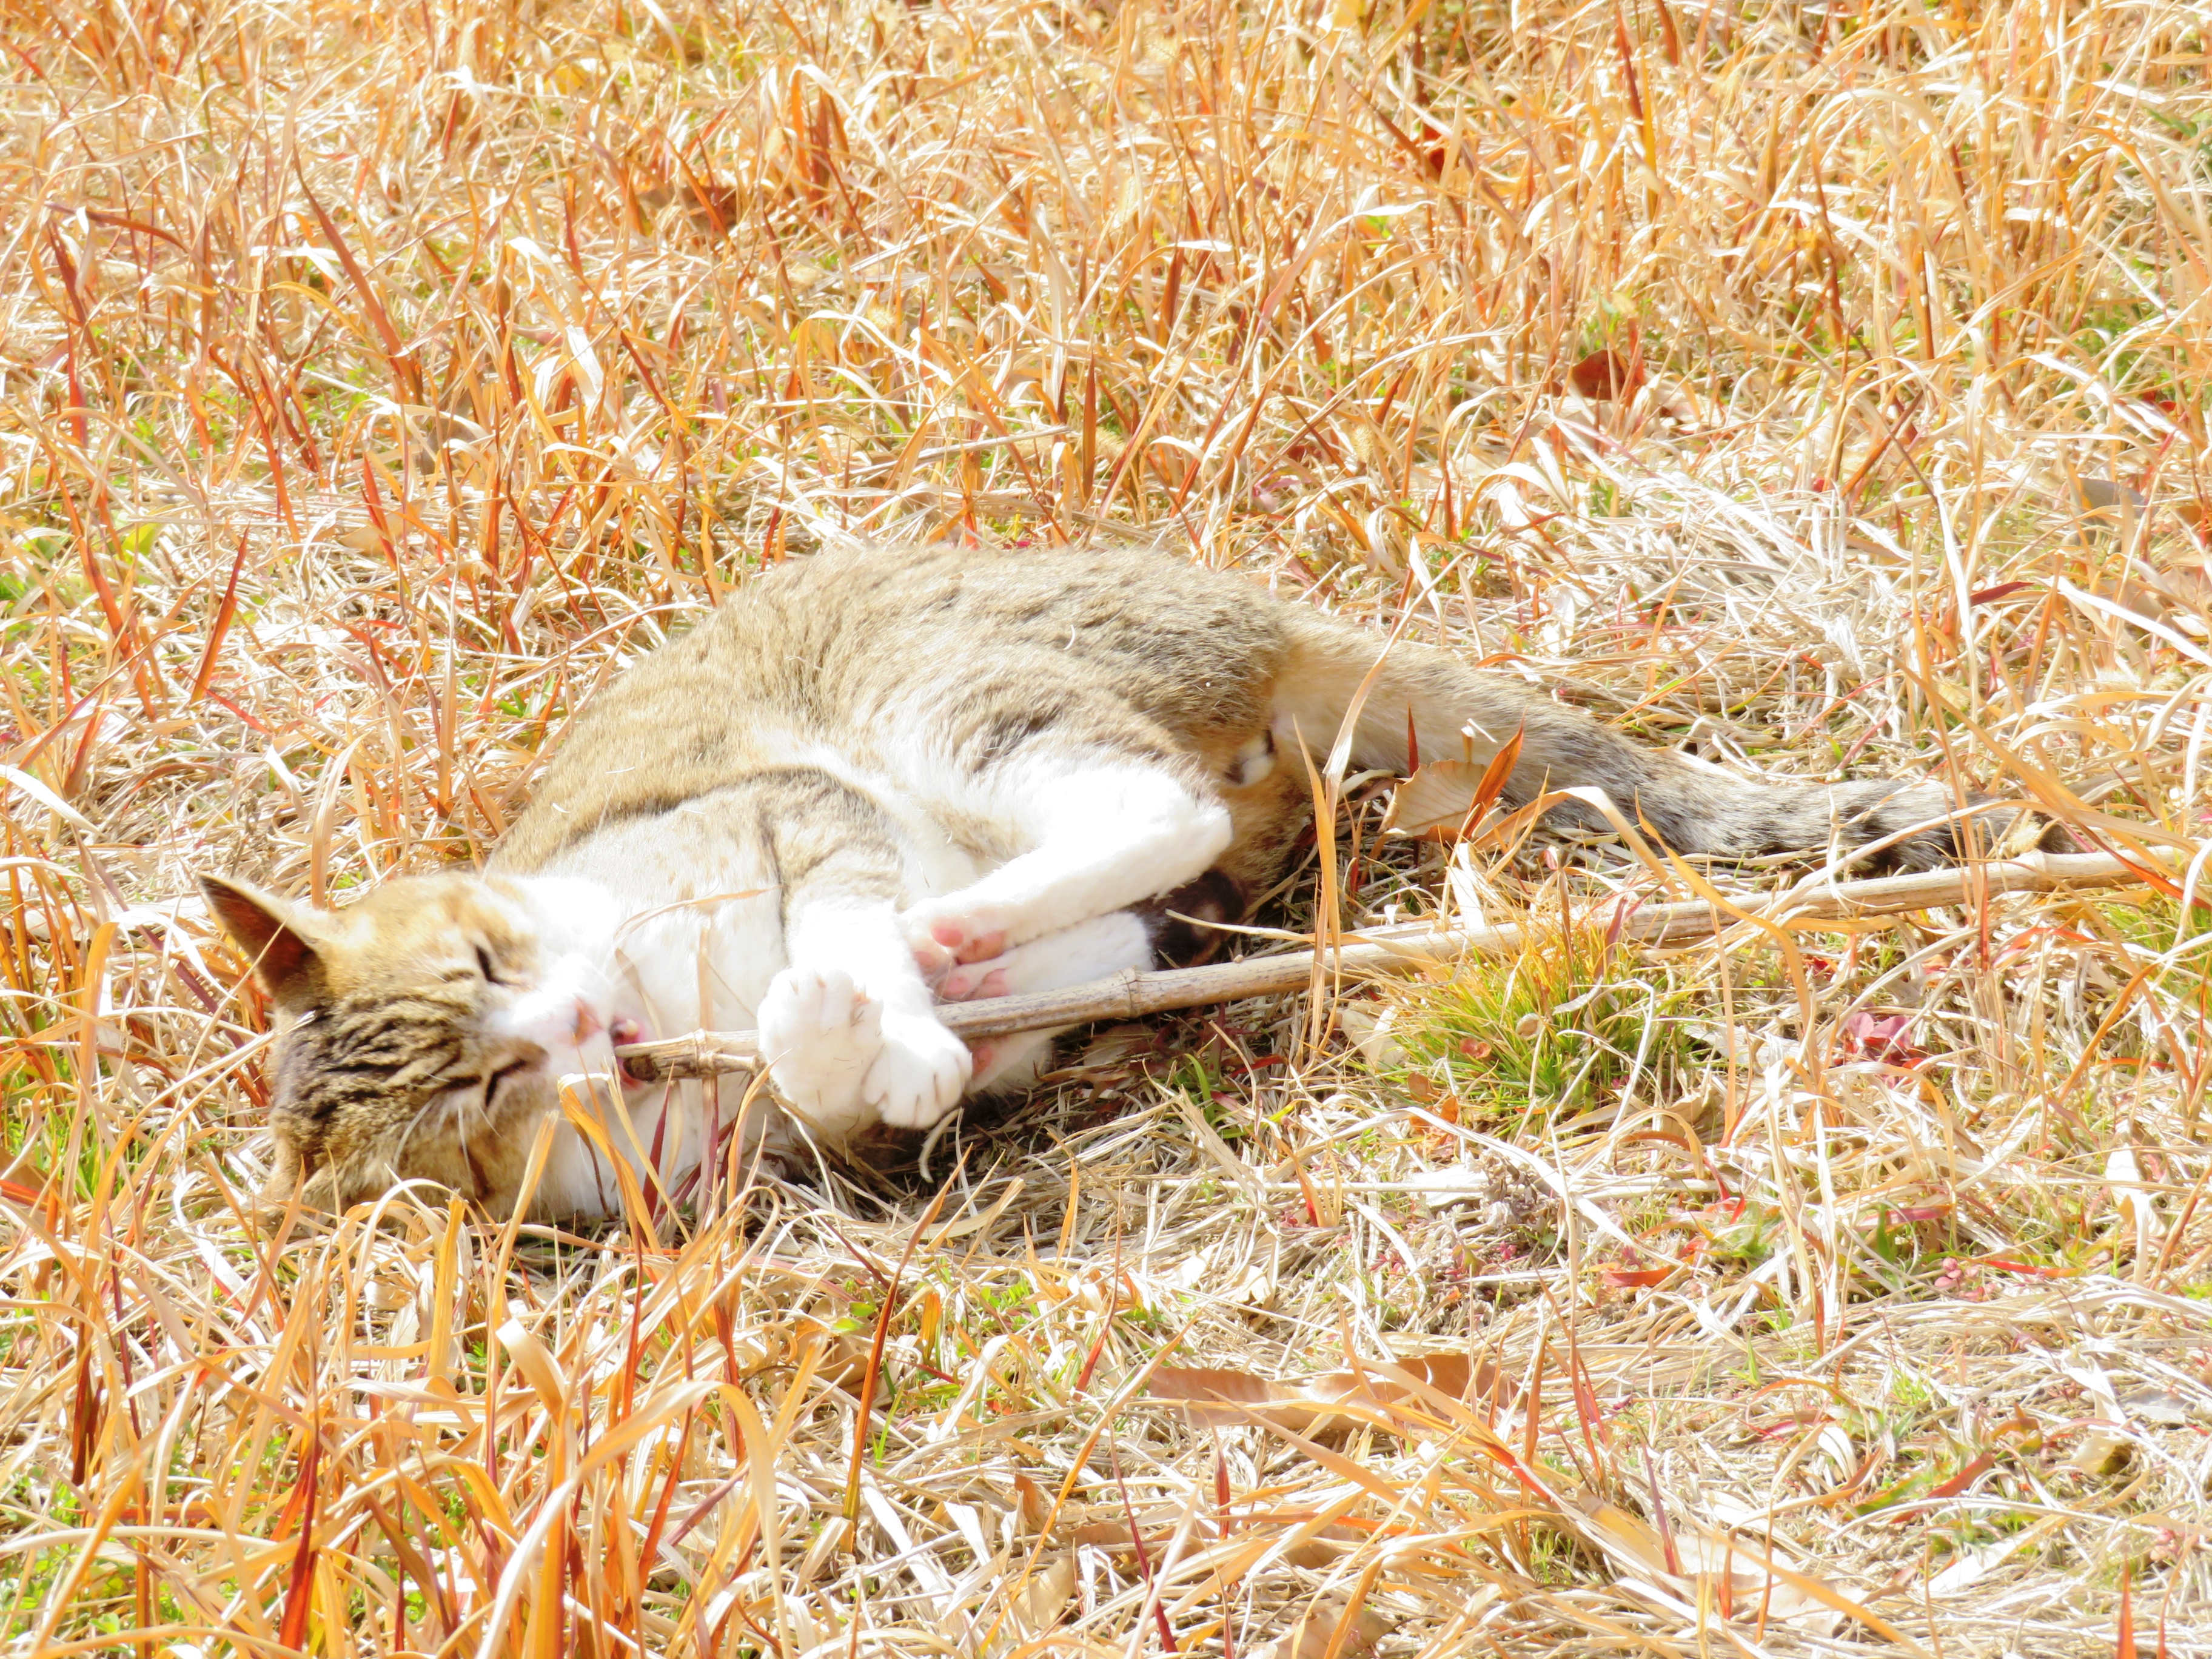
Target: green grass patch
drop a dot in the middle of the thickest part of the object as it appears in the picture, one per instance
(1561, 1025)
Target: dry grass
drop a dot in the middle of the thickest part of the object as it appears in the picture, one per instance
(377, 379)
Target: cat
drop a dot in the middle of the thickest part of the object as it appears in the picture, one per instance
(873, 779)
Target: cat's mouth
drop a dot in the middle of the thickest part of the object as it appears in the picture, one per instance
(537, 1043)
(621, 1032)
(585, 1045)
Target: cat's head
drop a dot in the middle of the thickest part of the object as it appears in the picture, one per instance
(423, 1031)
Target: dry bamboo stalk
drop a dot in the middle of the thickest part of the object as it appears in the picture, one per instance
(1131, 995)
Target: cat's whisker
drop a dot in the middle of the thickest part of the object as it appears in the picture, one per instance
(407, 1134)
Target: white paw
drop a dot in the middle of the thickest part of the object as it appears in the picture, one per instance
(1090, 950)
(945, 932)
(920, 1073)
(820, 1036)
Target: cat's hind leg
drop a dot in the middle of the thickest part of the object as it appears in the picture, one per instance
(1091, 949)
(1105, 832)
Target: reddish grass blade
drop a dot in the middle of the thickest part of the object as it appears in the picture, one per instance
(405, 376)
(220, 628)
(300, 1584)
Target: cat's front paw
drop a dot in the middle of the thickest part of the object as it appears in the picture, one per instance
(943, 933)
(820, 1036)
(920, 1073)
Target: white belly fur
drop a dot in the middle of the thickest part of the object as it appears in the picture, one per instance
(676, 934)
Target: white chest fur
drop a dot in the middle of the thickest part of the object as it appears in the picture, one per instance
(676, 924)
(669, 939)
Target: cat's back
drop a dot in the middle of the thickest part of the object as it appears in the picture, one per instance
(841, 624)
(827, 651)
(956, 642)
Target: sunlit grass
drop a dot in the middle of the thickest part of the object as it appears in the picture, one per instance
(375, 380)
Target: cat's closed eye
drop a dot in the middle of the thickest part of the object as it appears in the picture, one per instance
(483, 970)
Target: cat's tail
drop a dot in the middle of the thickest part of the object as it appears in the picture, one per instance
(1692, 807)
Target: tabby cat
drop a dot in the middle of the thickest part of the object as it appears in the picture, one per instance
(874, 780)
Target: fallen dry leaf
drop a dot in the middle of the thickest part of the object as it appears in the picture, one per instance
(1606, 373)
(1211, 1396)
(1325, 1631)
(2135, 1211)
(1435, 801)
(1038, 1604)
(1742, 1575)
(1443, 799)
(1369, 1033)
(2100, 1452)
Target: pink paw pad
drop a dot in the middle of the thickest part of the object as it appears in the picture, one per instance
(980, 947)
(960, 984)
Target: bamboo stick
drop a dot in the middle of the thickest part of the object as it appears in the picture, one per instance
(1382, 952)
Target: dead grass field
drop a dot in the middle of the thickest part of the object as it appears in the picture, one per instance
(378, 377)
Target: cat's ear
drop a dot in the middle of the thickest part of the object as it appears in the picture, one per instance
(280, 939)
